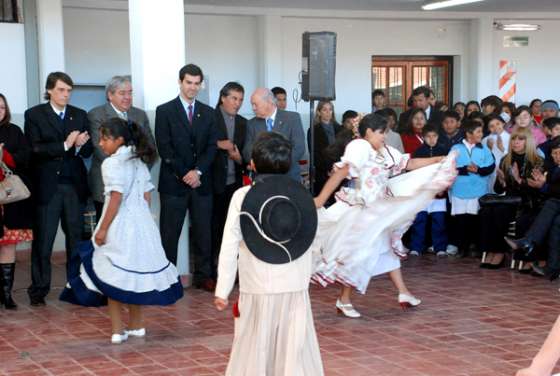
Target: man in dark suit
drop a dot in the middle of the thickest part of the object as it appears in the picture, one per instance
(228, 165)
(119, 104)
(269, 118)
(421, 99)
(58, 134)
(186, 136)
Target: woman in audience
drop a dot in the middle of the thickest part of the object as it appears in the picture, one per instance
(523, 119)
(459, 108)
(515, 168)
(16, 220)
(536, 110)
(508, 109)
(325, 129)
(412, 137)
(472, 106)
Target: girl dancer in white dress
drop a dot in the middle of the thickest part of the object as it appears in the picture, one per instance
(126, 264)
(360, 235)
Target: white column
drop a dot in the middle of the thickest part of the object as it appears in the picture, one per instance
(270, 28)
(50, 33)
(157, 52)
(482, 49)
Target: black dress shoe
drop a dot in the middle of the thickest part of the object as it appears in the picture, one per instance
(207, 284)
(37, 301)
(484, 265)
(499, 265)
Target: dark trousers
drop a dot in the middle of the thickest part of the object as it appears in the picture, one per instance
(172, 216)
(438, 231)
(494, 225)
(219, 215)
(466, 231)
(64, 207)
(547, 226)
(98, 210)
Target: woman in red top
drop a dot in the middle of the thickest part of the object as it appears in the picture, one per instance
(536, 110)
(412, 137)
(15, 218)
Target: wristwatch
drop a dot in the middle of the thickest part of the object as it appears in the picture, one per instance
(198, 172)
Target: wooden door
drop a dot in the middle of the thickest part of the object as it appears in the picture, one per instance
(399, 76)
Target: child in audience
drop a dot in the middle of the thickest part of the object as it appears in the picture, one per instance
(524, 119)
(412, 137)
(552, 130)
(475, 163)
(497, 141)
(392, 138)
(451, 133)
(436, 211)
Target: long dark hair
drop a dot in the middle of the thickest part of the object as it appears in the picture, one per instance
(133, 135)
(334, 152)
(409, 128)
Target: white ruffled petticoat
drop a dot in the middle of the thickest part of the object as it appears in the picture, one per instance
(360, 235)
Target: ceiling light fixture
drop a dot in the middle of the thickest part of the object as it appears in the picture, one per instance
(432, 5)
(516, 26)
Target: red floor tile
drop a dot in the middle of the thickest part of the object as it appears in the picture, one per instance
(472, 322)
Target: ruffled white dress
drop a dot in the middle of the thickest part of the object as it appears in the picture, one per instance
(360, 235)
(131, 267)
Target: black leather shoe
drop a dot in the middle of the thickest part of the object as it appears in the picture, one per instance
(37, 301)
(522, 245)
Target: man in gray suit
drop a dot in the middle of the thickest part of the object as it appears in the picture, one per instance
(119, 104)
(269, 118)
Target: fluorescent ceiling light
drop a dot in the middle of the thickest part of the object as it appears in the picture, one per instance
(446, 3)
(517, 26)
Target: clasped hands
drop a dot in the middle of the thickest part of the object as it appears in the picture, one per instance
(192, 179)
(76, 138)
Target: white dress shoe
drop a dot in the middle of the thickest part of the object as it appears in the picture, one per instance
(406, 301)
(119, 338)
(136, 332)
(347, 309)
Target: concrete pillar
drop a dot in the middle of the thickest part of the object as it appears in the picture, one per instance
(482, 52)
(50, 33)
(270, 32)
(157, 52)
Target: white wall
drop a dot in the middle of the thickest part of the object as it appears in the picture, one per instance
(358, 40)
(12, 69)
(537, 64)
(225, 47)
(97, 44)
(225, 43)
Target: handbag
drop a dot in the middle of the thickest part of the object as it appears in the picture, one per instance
(491, 199)
(12, 188)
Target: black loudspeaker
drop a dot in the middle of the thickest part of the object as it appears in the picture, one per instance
(318, 66)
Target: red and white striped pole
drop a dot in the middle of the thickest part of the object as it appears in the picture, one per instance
(507, 86)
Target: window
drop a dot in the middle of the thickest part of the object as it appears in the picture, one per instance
(10, 11)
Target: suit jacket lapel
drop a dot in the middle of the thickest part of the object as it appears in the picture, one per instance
(53, 120)
(278, 121)
(182, 115)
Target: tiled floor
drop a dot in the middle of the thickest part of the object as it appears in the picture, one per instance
(473, 322)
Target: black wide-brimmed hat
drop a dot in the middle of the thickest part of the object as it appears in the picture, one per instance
(278, 219)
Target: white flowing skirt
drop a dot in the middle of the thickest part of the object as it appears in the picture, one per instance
(359, 242)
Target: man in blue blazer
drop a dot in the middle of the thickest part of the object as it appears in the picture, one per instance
(186, 137)
(269, 118)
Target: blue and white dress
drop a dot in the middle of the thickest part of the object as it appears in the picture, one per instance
(131, 267)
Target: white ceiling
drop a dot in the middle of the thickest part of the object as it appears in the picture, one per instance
(391, 5)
